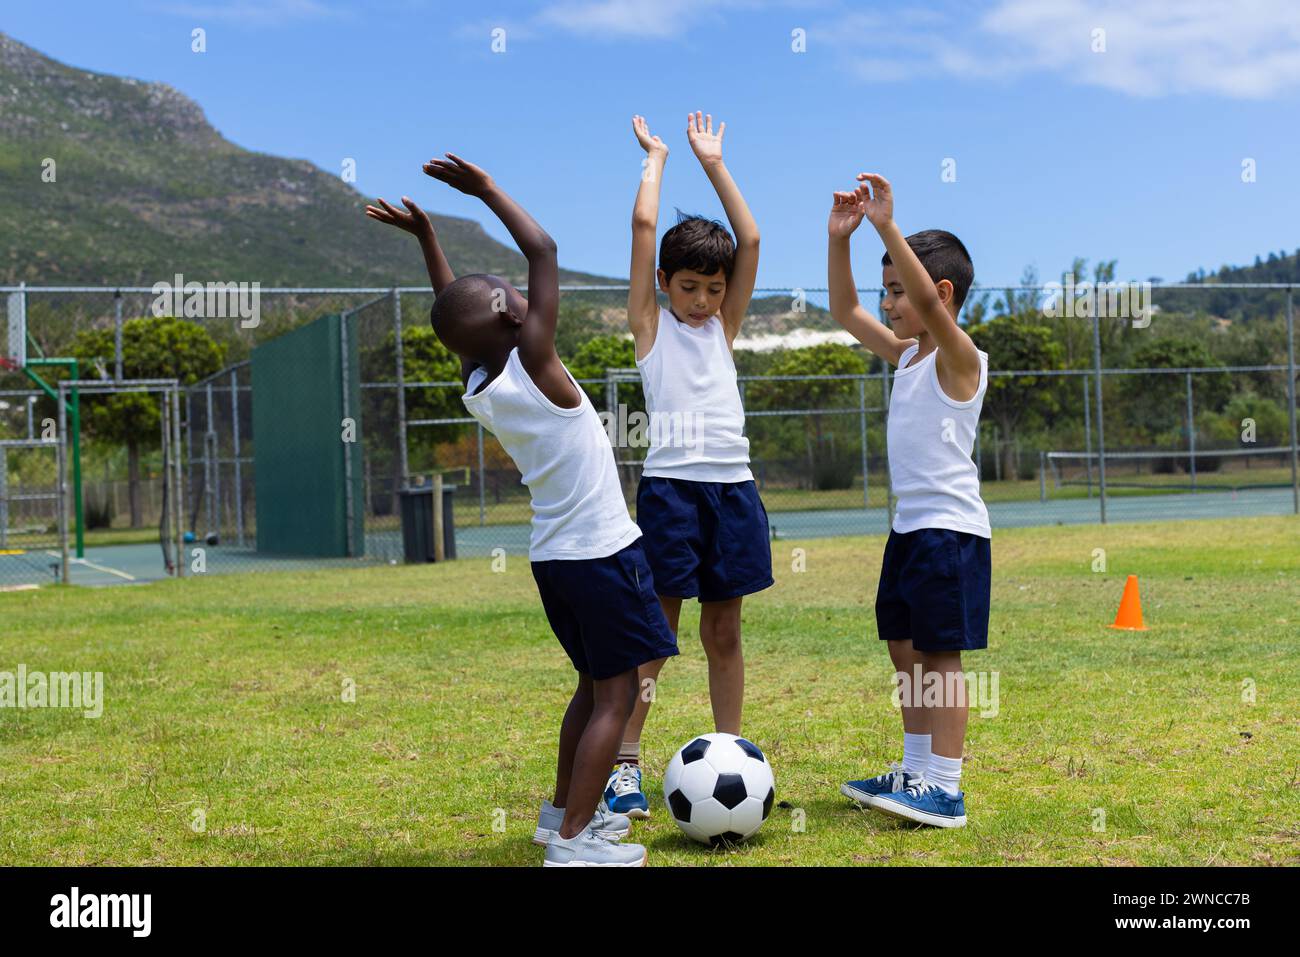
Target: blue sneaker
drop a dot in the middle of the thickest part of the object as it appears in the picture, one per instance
(623, 792)
(866, 791)
(925, 803)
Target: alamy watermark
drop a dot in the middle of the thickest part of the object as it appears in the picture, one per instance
(1105, 300)
(947, 689)
(213, 300)
(638, 430)
(80, 690)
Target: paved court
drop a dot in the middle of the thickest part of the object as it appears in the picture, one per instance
(829, 523)
(135, 564)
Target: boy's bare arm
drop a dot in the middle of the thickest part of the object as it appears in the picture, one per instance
(642, 306)
(537, 333)
(744, 271)
(415, 221)
(847, 211)
(957, 351)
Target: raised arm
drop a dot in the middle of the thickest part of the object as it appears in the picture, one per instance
(958, 356)
(642, 306)
(744, 271)
(415, 221)
(537, 334)
(847, 210)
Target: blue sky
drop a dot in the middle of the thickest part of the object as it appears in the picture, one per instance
(1133, 152)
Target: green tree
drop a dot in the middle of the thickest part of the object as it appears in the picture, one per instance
(828, 465)
(596, 355)
(1156, 405)
(1015, 342)
(152, 348)
(424, 359)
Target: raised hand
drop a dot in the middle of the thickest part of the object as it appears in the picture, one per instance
(461, 175)
(416, 221)
(651, 144)
(847, 210)
(699, 130)
(878, 200)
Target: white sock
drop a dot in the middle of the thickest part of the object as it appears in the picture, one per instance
(945, 772)
(916, 753)
(629, 752)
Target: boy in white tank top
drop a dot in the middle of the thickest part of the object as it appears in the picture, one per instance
(705, 529)
(595, 584)
(933, 599)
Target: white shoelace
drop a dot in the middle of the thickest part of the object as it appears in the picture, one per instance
(893, 777)
(919, 787)
(626, 782)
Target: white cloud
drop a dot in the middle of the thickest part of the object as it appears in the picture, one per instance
(641, 18)
(255, 12)
(1248, 49)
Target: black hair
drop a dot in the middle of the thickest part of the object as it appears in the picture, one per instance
(701, 245)
(944, 257)
(463, 295)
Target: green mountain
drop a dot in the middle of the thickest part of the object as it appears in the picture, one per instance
(143, 187)
(1238, 304)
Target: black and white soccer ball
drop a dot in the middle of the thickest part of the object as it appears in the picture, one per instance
(719, 788)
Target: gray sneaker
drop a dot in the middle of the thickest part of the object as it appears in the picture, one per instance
(606, 825)
(587, 850)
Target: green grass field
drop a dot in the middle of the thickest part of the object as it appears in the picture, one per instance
(224, 695)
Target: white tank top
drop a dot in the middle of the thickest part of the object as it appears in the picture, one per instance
(566, 461)
(697, 423)
(930, 440)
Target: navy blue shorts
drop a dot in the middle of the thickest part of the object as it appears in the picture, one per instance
(934, 589)
(605, 611)
(705, 539)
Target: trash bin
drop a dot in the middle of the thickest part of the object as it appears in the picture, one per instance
(417, 523)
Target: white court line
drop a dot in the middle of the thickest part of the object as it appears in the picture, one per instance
(97, 567)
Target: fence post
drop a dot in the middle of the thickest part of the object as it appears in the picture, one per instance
(1087, 432)
(482, 508)
(402, 462)
(1191, 434)
(1042, 476)
(862, 413)
(117, 334)
(173, 398)
(1101, 418)
(1290, 389)
(63, 484)
(165, 522)
(189, 447)
(211, 467)
(439, 552)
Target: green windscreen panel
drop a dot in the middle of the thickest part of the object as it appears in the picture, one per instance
(303, 389)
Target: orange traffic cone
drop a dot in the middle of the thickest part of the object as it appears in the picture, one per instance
(1129, 617)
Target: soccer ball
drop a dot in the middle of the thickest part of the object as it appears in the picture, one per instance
(719, 788)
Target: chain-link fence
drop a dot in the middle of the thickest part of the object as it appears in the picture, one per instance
(30, 498)
(1185, 408)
